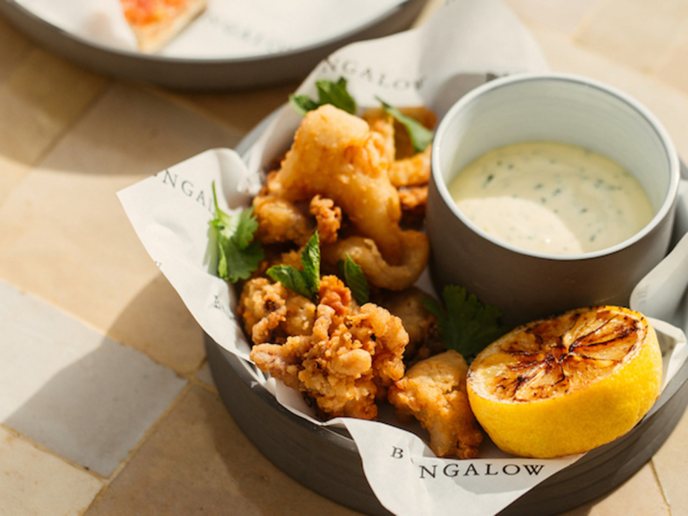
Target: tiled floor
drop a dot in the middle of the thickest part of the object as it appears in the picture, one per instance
(106, 403)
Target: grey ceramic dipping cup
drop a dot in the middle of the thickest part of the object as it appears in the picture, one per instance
(526, 285)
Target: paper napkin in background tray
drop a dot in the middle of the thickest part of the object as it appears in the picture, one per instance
(464, 44)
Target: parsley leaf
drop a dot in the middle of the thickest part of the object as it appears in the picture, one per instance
(238, 254)
(329, 92)
(466, 325)
(420, 135)
(305, 282)
(355, 279)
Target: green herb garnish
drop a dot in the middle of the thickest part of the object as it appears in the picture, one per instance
(238, 254)
(329, 92)
(420, 135)
(466, 325)
(355, 279)
(305, 282)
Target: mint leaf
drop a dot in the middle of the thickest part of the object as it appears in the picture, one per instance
(303, 103)
(305, 282)
(466, 325)
(310, 259)
(355, 279)
(238, 254)
(420, 135)
(336, 93)
(329, 92)
(290, 277)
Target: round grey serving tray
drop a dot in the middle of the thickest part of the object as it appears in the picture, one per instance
(201, 74)
(328, 462)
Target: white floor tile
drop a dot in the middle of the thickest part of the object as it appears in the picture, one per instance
(73, 390)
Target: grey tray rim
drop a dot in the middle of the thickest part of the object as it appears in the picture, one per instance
(327, 460)
(202, 74)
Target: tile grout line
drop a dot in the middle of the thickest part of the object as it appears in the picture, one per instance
(65, 130)
(189, 105)
(144, 438)
(665, 498)
(105, 334)
(43, 449)
(107, 84)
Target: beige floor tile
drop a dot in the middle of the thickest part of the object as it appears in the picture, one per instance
(673, 68)
(562, 16)
(669, 104)
(64, 236)
(635, 32)
(72, 390)
(11, 172)
(198, 462)
(671, 464)
(640, 495)
(41, 98)
(242, 110)
(33, 482)
(13, 48)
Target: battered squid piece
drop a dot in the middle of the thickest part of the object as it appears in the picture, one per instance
(413, 171)
(402, 143)
(328, 218)
(434, 392)
(271, 312)
(421, 325)
(336, 155)
(413, 201)
(379, 271)
(280, 220)
(383, 124)
(349, 358)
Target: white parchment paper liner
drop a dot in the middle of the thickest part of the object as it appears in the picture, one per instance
(228, 29)
(464, 44)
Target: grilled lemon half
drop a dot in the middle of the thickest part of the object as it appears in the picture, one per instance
(566, 384)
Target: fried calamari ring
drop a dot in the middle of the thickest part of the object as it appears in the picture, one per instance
(413, 171)
(379, 272)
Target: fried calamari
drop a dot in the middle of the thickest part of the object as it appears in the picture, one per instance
(379, 271)
(348, 359)
(421, 326)
(434, 392)
(337, 157)
(271, 312)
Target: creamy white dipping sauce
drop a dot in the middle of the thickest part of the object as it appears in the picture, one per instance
(551, 198)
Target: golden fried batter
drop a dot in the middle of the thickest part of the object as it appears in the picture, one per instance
(335, 154)
(271, 312)
(328, 218)
(350, 358)
(421, 325)
(280, 220)
(379, 271)
(402, 143)
(413, 171)
(434, 392)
